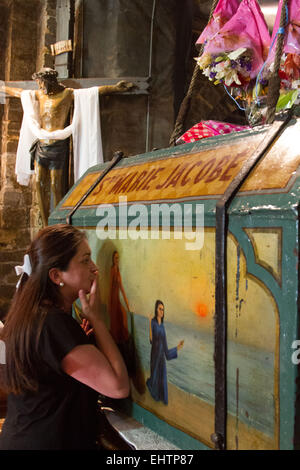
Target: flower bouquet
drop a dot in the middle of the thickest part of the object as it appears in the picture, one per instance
(234, 55)
(231, 68)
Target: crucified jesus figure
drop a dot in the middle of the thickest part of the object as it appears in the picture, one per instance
(50, 155)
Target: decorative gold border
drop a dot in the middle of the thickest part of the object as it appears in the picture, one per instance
(276, 361)
(277, 339)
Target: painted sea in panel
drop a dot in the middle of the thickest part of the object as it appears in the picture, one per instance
(193, 372)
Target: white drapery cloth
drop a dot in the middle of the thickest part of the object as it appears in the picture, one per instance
(85, 130)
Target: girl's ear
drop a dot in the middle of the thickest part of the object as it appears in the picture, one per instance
(55, 275)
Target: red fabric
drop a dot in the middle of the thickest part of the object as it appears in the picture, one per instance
(209, 129)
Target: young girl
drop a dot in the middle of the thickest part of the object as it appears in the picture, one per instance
(53, 372)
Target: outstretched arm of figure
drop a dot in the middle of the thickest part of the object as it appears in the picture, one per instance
(15, 92)
(120, 87)
(101, 368)
(171, 353)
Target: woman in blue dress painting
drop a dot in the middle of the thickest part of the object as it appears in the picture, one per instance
(157, 383)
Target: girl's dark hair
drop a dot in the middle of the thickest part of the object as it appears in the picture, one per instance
(53, 247)
(157, 303)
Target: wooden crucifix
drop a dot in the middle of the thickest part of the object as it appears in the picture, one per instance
(55, 100)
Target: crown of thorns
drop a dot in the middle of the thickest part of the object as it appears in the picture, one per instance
(46, 74)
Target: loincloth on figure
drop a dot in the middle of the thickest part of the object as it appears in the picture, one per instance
(52, 156)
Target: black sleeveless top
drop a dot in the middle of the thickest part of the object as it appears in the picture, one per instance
(62, 413)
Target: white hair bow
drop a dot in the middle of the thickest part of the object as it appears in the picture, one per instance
(26, 268)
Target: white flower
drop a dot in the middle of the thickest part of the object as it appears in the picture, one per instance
(220, 67)
(206, 72)
(237, 53)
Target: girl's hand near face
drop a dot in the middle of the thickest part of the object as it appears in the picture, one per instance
(99, 366)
